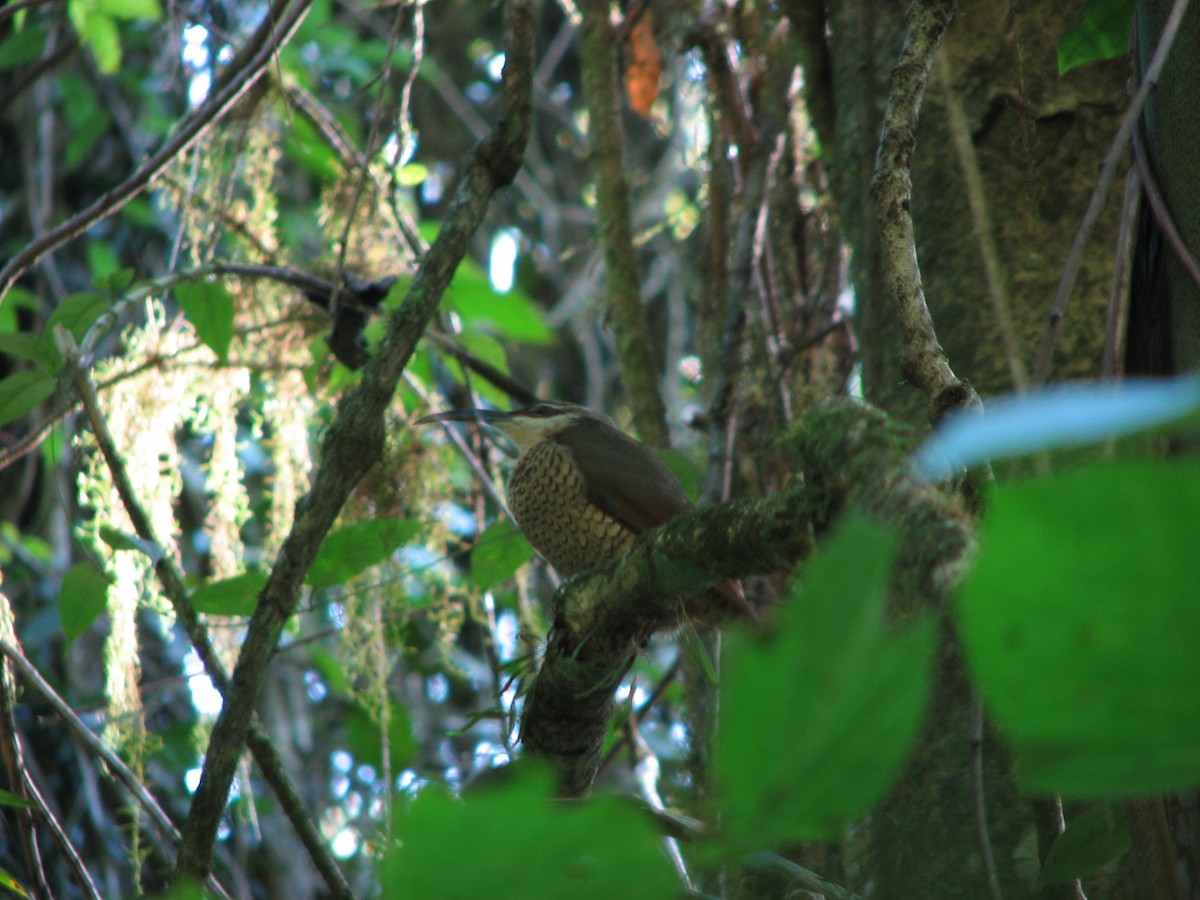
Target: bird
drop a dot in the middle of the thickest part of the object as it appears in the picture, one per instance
(582, 489)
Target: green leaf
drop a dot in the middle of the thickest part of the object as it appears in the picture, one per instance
(123, 540)
(350, 550)
(235, 596)
(83, 597)
(99, 32)
(132, 9)
(514, 835)
(209, 307)
(513, 315)
(684, 469)
(1081, 627)
(365, 737)
(498, 553)
(22, 46)
(22, 393)
(78, 313)
(1102, 33)
(491, 351)
(31, 347)
(1090, 841)
(11, 884)
(817, 720)
(102, 260)
(8, 798)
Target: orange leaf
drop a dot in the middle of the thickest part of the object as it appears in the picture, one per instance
(643, 64)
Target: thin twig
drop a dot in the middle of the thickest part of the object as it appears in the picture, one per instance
(1162, 212)
(191, 128)
(1116, 322)
(1108, 171)
(978, 799)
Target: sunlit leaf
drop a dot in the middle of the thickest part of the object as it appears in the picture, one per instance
(498, 553)
(8, 798)
(235, 596)
(132, 9)
(123, 540)
(817, 719)
(1102, 33)
(511, 315)
(1081, 627)
(525, 844)
(78, 313)
(82, 598)
(209, 307)
(348, 551)
(11, 884)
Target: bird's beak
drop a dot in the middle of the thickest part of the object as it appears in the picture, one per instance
(485, 416)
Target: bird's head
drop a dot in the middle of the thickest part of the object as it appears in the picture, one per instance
(528, 425)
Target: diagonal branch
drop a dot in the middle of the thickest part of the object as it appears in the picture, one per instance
(923, 362)
(354, 441)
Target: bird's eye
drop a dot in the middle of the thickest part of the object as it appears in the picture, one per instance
(541, 409)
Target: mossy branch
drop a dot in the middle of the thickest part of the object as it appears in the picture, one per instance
(845, 454)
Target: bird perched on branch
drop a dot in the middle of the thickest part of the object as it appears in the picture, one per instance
(582, 489)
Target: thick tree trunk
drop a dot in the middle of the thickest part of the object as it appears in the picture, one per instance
(1006, 159)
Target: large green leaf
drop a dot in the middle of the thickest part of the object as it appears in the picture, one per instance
(209, 307)
(83, 597)
(498, 553)
(511, 315)
(1082, 627)
(1102, 33)
(235, 596)
(1090, 841)
(816, 720)
(356, 547)
(515, 840)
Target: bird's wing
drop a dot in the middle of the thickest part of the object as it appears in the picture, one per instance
(625, 478)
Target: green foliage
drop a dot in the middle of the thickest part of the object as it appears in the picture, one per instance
(1102, 33)
(510, 838)
(96, 23)
(350, 550)
(22, 46)
(1081, 626)
(1090, 841)
(209, 307)
(512, 315)
(498, 553)
(83, 597)
(236, 596)
(365, 735)
(816, 720)
(22, 393)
